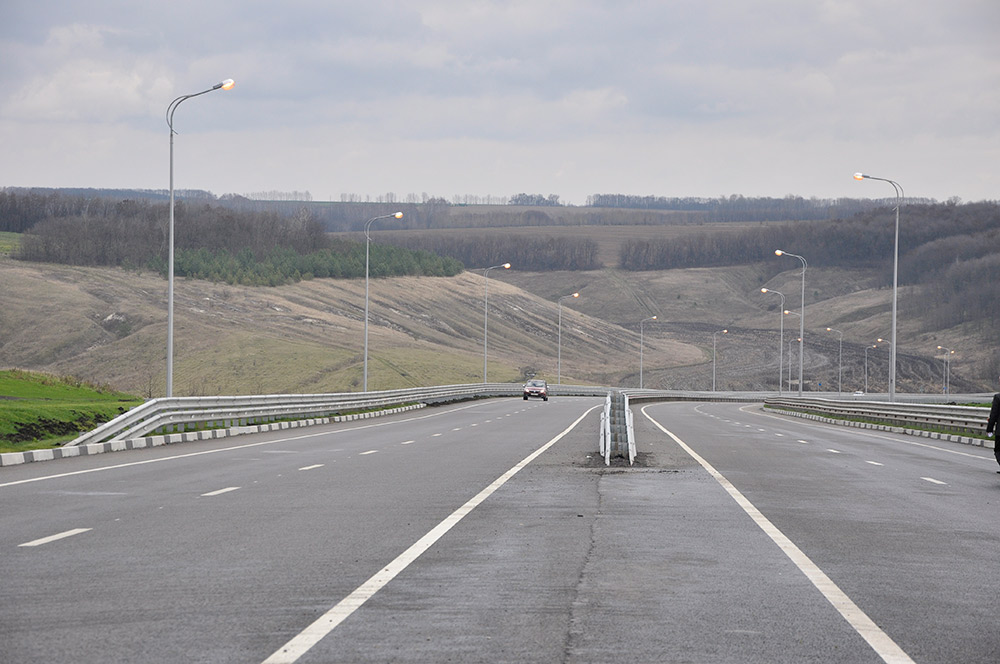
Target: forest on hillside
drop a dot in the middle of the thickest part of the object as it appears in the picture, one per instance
(948, 249)
(214, 243)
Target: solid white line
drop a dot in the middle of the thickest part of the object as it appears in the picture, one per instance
(880, 642)
(312, 467)
(368, 452)
(53, 538)
(220, 491)
(934, 481)
(311, 635)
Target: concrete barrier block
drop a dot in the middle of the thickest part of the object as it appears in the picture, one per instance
(94, 448)
(39, 455)
(11, 458)
(66, 452)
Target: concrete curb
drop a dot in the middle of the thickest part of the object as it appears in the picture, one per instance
(954, 438)
(31, 456)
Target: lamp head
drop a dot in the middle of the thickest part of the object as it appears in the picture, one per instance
(860, 176)
(763, 290)
(398, 215)
(881, 341)
(829, 329)
(725, 331)
(778, 252)
(226, 84)
(506, 266)
(654, 317)
(576, 295)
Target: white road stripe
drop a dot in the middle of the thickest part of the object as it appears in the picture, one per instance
(834, 451)
(880, 642)
(311, 635)
(804, 442)
(368, 452)
(53, 538)
(312, 467)
(220, 491)
(934, 481)
(875, 463)
(407, 442)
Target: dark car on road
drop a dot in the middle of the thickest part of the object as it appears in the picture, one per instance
(536, 388)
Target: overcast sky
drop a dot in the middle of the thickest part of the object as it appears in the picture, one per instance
(485, 97)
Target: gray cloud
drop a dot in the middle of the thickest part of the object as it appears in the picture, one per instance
(669, 98)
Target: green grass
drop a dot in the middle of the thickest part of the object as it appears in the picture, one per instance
(40, 411)
(9, 243)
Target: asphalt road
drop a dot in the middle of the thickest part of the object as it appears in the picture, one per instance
(488, 532)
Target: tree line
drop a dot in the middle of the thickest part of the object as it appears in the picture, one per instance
(536, 254)
(217, 243)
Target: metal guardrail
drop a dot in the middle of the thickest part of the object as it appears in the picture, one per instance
(178, 413)
(617, 431)
(965, 419)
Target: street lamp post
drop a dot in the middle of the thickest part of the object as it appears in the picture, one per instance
(644, 320)
(802, 318)
(368, 225)
(788, 312)
(781, 331)
(486, 310)
(867, 348)
(559, 352)
(947, 368)
(714, 337)
(225, 85)
(895, 279)
(840, 366)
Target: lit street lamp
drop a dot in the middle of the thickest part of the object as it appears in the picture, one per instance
(947, 368)
(225, 85)
(781, 332)
(644, 320)
(486, 310)
(714, 337)
(559, 361)
(368, 225)
(895, 279)
(802, 318)
(840, 367)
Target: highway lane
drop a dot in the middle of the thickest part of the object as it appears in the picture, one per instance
(225, 551)
(905, 526)
(220, 550)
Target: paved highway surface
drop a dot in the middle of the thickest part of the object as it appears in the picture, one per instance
(488, 532)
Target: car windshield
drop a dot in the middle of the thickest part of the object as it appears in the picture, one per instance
(536, 383)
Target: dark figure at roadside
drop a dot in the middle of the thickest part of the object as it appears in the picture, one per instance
(991, 425)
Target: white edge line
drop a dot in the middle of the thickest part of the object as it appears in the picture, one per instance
(880, 642)
(58, 536)
(220, 491)
(311, 635)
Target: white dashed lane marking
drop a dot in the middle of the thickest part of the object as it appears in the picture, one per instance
(219, 492)
(934, 481)
(312, 467)
(53, 538)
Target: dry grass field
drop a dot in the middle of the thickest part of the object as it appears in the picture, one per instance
(108, 326)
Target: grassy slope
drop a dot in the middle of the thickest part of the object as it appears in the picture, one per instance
(39, 410)
(308, 337)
